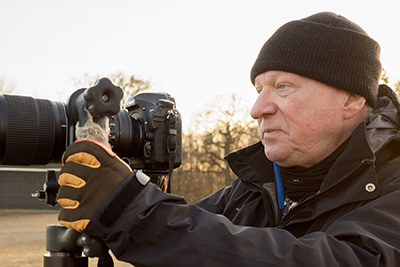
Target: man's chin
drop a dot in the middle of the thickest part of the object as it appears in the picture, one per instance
(274, 155)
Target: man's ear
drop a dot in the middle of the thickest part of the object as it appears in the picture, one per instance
(354, 106)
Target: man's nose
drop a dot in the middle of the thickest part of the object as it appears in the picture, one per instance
(263, 106)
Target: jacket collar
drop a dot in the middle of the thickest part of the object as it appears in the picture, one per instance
(384, 122)
(251, 164)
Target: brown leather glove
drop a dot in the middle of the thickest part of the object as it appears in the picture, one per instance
(90, 173)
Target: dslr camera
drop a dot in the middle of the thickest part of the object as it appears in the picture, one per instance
(146, 133)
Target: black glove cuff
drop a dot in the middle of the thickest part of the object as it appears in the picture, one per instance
(131, 187)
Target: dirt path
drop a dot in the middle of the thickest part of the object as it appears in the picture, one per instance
(23, 238)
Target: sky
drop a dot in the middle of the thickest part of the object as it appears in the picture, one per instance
(194, 50)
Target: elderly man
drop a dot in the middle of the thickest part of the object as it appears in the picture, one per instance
(320, 189)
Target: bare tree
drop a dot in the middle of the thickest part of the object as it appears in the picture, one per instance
(225, 126)
(384, 77)
(385, 80)
(232, 129)
(396, 88)
(5, 87)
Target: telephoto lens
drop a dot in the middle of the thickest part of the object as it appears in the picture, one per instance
(32, 131)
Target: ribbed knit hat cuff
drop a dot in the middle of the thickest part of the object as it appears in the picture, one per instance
(339, 57)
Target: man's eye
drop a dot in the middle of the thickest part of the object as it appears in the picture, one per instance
(285, 89)
(282, 86)
(259, 90)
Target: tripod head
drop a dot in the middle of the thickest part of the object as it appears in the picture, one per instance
(65, 247)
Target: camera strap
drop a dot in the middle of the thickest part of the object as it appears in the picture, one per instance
(171, 143)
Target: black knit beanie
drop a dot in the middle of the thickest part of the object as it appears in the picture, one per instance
(327, 48)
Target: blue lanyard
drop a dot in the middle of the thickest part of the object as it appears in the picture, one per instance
(279, 189)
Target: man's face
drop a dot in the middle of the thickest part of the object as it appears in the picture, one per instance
(300, 120)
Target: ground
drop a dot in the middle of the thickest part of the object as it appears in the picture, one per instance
(23, 238)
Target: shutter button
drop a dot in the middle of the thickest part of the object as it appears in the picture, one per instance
(370, 187)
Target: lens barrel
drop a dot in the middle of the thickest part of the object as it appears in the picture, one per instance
(32, 131)
(126, 134)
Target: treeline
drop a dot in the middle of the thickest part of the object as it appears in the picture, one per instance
(223, 127)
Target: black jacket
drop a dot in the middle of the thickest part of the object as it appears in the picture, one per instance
(354, 220)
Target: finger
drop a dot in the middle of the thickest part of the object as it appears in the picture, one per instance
(67, 203)
(72, 180)
(84, 158)
(78, 225)
(69, 220)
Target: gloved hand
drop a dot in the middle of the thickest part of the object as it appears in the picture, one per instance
(90, 173)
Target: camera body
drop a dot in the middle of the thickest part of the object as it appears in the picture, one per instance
(148, 133)
(155, 132)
